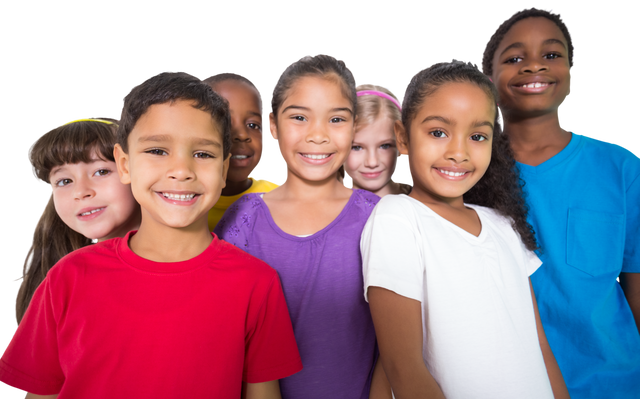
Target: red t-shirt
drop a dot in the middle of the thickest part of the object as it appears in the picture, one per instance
(106, 323)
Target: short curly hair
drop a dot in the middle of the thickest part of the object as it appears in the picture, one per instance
(500, 187)
(169, 87)
(496, 39)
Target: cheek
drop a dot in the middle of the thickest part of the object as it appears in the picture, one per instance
(354, 160)
(63, 205)
(389, 158)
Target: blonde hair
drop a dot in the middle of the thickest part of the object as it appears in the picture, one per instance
(371, 107)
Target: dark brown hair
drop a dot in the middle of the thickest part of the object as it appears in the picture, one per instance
(53, 239)
(169, 87)
(500, 187)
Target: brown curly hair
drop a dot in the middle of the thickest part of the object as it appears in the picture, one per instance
(501, 187)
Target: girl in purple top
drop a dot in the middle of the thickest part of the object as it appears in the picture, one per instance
(309, 230)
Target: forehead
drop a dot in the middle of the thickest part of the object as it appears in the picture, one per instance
(461, 98)
(381, 129)
(532, 30)
(238, 93)
(176, 120)
(317, 88)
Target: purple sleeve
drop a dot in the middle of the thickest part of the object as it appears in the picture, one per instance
(236, 224)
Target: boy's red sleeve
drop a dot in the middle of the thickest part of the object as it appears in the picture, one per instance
(271, 352)
(31, 361)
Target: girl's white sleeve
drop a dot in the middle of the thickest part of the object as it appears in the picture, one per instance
(391, 252)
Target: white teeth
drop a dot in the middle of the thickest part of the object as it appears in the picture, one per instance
(535, 85)
(454, 174)
(239, 156)
(90, 212)
(179, 197)
(316, 156)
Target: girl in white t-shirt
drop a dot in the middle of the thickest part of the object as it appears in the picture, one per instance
(446, 269)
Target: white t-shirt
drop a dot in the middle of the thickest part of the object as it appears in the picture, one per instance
(480, 337)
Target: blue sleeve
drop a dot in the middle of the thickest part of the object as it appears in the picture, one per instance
(631, 262)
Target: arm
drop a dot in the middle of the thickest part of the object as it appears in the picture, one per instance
(380, 388)
(555, 375)
(398, 324)
(34, 396)
(262, 390)
(630, 283)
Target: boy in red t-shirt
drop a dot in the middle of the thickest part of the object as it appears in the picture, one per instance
(170, 310)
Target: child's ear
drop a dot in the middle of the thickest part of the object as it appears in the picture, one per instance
(273, 126)
(122, 163)
(402, 141)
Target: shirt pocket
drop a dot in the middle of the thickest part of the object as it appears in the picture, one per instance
(595, 241)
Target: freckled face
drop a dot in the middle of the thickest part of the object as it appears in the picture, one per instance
(531, 68)
(90, 199)
(245, 107)
(373, 155)
(449, 144)
(314, 128)
(175, 165)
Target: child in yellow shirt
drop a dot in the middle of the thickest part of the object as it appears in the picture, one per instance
(245, 105)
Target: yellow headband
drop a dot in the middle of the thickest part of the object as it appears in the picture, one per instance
(89, 120)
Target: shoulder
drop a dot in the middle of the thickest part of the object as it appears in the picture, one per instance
(364, 200)
(261, 186)
(240, 215)
(86, 259)
(492, 216)
(398, 205)
(237, 260)
(602, 151)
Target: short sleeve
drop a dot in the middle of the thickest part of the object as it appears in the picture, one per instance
(391, 257)
(31, 361)
(631, 261)
(237, 222)
(271, 352)
(531, 260)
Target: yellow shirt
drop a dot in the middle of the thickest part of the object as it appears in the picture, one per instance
(257, 186)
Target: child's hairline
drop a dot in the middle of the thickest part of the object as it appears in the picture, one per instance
(241, 82)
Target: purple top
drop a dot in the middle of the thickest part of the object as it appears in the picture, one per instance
(322, 282)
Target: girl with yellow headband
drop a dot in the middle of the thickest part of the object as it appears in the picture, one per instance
(88, 201)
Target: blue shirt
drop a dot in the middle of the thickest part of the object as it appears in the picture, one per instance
(585, 209)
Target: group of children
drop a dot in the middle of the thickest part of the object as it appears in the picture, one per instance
(315, 290)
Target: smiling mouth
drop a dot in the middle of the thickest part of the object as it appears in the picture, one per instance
(535, 85)
(452, 174)
(179, 197)
(239, 156)
(316, 156)
(92, 211)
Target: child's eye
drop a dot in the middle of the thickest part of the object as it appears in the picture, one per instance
(438, 133)
(254, 126)
(299, 118)
(203, 155)
(513, 60)
(552, 56)
(63, 182)
(156, 151)
(102, 172)
(386, 146)
(356, 148)
(337, 120)
(478, 137)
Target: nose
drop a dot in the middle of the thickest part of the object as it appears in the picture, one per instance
(318, 133)
(534, 65)
(457, 149)
(83, 189)
(238, 130)
(181, 168)
(371, 159)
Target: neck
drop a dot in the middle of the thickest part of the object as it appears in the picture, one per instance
(303, 190)
(161, 243)
(390, 188)
(133, 223)
(533, 134)
(234, 188)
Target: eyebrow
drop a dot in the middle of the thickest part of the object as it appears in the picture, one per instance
(309, 109)
(166, 137)
(520, 44)
(449, 122)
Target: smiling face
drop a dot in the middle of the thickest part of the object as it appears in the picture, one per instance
(531, 69)
(373, 155)
(449, 143)
(246, 127)
(314, 128)
(90, 199)
(175, 165)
